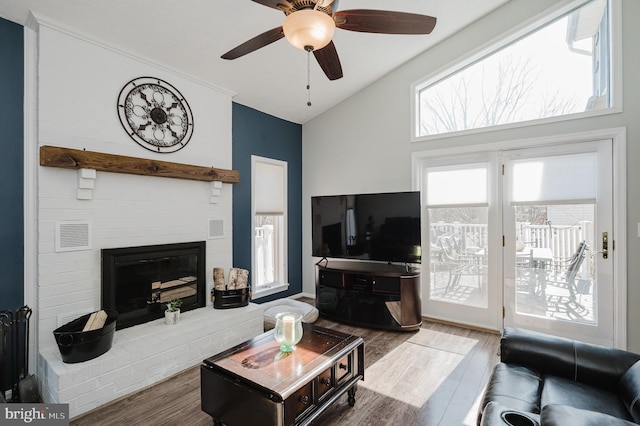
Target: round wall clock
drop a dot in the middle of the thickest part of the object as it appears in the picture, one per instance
(155, 114)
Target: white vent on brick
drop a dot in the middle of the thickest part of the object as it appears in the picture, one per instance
(71, 236)
(216, 228)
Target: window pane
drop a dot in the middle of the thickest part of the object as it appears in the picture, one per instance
(265, 250)
(555, 269)
(458, 255)
(559, 69)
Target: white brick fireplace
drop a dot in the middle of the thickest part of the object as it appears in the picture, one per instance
(74, 84)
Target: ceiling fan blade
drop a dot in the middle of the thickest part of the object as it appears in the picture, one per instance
(384, 21)
(255, 43)
(275, 4)
(329, 61)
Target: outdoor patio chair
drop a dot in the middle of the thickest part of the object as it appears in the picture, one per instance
(457, 262)
(525, 274)
(574, 268)
(569, 273)
(559, 266)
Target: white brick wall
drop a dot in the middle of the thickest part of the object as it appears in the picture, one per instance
(78, 85)
(145, 354)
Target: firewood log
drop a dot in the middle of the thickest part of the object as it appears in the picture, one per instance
(179, 293)
(243, 278)
(218, 279)
(95, 321)
(233, 279)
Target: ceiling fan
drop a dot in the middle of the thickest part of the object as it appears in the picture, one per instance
(309, 25)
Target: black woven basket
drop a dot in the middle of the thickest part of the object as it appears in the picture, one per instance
(226, 299)
(76, 345)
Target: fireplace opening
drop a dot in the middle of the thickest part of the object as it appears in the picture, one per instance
(138, 282)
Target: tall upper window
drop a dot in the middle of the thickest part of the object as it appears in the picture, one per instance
(269, 193)
(562, 67)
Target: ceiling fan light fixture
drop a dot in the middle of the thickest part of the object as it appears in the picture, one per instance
(308, 27)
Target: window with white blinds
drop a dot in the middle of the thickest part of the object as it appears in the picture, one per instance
(269, 248)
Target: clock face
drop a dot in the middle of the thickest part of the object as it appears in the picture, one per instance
(155, 115)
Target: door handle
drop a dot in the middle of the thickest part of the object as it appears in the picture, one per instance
(605, 245)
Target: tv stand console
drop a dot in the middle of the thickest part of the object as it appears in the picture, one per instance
(369, 294)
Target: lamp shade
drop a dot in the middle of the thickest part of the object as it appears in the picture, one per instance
(309, 28)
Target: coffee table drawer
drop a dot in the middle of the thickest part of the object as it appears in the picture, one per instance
(302, 400)
(343, 369)
(325, 384)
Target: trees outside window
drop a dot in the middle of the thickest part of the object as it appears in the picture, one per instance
(560, 68)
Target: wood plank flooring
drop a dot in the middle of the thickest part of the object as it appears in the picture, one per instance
(434, 376)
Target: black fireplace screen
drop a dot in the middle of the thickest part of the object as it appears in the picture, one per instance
(138, 282)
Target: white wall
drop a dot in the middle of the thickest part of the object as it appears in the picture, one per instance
(363, 144)
(78, 86)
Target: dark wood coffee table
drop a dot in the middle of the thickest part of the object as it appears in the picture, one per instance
(255, 383)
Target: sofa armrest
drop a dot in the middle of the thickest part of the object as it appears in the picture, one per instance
(629, 390)
(583, 362)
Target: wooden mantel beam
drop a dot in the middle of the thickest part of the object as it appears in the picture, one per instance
(67, 158)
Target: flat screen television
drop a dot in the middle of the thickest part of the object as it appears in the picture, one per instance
(380, 227)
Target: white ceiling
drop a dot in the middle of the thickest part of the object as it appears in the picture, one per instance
(190, 36)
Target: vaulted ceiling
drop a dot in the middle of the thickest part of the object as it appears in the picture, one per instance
(191, 35)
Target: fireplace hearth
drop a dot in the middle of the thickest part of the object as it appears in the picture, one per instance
(138, 282)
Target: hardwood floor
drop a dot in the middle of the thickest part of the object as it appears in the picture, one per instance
(434, 376)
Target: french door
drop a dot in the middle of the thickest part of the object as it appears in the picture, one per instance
(557, 223)
(461, 217)
(515, 238)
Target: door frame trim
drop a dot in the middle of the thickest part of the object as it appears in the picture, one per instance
(619, 137)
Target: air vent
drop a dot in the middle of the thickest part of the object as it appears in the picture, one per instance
(216, 228)
(71, 236)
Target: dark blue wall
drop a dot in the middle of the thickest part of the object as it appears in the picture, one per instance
(257, 133)
(11, 165)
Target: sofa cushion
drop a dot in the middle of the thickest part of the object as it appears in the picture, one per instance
(515, 387)
(629, 389)
(558, 390)
(562, 415)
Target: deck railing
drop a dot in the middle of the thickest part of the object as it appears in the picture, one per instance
(562, 240)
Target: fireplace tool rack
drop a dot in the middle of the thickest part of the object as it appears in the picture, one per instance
(14, 357)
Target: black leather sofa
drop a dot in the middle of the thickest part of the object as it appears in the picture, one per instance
(549, 380)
